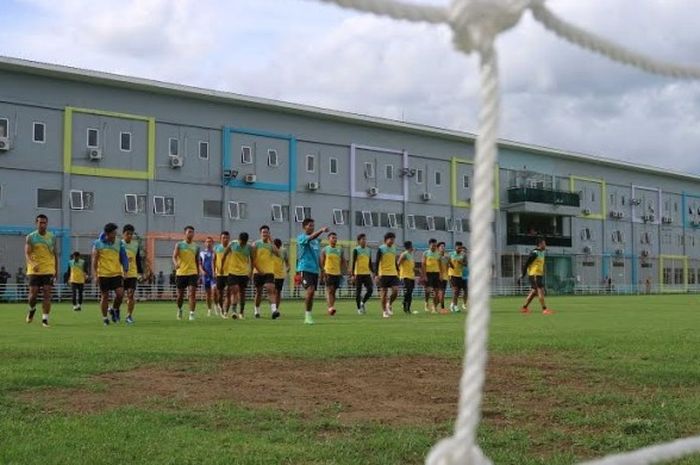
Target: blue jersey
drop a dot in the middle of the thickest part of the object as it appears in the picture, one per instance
(309, 251)
(207, 258)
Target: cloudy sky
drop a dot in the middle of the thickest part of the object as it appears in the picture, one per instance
(307, 52)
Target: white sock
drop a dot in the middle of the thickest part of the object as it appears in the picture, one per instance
(308, 313)
(191, 312)
(273, 307)
(257, 310)
(45, 316)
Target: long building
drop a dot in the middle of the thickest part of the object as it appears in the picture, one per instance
(86, 148)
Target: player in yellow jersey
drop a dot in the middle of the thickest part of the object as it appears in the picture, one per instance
(264, 250)
(430, 274)
(135, 269)
(77, 279)
(407, 275)
(534, 268)
(281, 270)
(42, 266)
(238, 261)
(362, 273)
(221, 274)
(188, 269)
(387, 273)
(108, 266)
(332, 265)
(444, 275)
(458, 259)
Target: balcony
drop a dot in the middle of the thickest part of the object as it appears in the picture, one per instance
(545, 201)
(529, 239)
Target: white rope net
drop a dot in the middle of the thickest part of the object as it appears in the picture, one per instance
(475, 25)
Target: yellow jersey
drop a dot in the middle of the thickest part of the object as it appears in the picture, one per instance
(263, 257)
(132, 250)
(536, 267)
(219, 269)
(279, 261)
(362, 264)
(407, 266)
(43, 253)
(386, 262)
(108, 263)
(77, 271)
(432, 261)
(239, 259)
(187, 254)
(334, 259)
(457, 262)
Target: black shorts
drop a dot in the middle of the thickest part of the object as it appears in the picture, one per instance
(443, 284)
(333, 280)
(386, 282)
(309, 279)
(536, 282)
(433, 280)
(458, 283)
(40, 280)
(238, 280)
(190, 280)
(279, 284)
(221, 282)
(261, 279)
(130, 283)
(111, 284)
(364, 280)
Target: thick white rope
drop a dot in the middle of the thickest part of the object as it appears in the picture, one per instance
(476, 24)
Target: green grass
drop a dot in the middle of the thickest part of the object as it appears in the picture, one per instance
(639, 355)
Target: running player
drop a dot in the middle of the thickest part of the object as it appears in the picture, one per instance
(458, 259)
(534, 268)
(77, 279)
(188, 268)
(407, 274)
(281, 262)
(387, 274)
(430, 272)
(206, 258)
(221, 287)
(135, 269)
(444, 275)
(465, 277)
(362, 273)
(263, 251)
(332, 265)
(308, 263)
(42, 266)
(109, 263)
(238, 261)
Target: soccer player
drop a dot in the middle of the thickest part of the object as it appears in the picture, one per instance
(135, 269)
(308, 263)
(332, 264)
(77, 279)
(42, 266)
(407, 275)
(109, 263)
(238, 260)
(206, 258)
(534, 268)
(362, 273)
(281, 262)
(444, 275)
(458, 260)
(188, 268)
(263, 251)
(387, 274)
(221, 273)
(430, 272)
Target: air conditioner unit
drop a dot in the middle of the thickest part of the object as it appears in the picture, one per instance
(667, 220)
(619, 252)
(652, 218)
(4, 144)
(620, 214)
(372, 191)
(230, 174)
(646, 218)
(312, 186)
(645, 253)
(426, 196)
(176, 162)
(586, 211)
(613, 214)
(635, 202)
(250, 178)
(587, 250)
(94, 154)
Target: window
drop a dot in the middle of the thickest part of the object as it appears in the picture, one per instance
(367, 218)
(164, 206)
(430, 222)
(438, 178)
(393, 224)
(237, 210)
(369, 170)
(419, 176)
(449, 224)
(277, 216)
(411, 221)
(440, 223)
(203, 150)
(49, 198)
(421, 222)
(333, 165)
(457, 225)
(39, 133)
(93, 138)
(246, 155)
(76, 200)
(465, 181)
(4, 127)
(125, 141)
(311, 163)
(272, 158)
(173, 147)
(212, 208)
(622, 200)
(301, 213)
(338, 217)
(389, 171)
(133, 203)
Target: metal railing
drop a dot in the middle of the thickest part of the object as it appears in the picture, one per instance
(537, 195)
(529, 239)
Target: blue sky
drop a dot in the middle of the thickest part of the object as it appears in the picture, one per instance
(309, 52)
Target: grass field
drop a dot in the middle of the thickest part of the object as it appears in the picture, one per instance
(604, 374)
